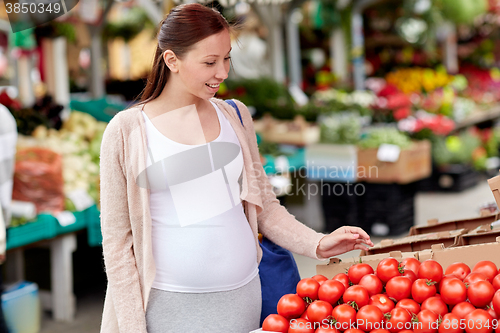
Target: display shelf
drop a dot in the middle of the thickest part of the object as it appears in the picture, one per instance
(94, 226)
(479, 117)
(42, 228)
(80, 223)
(46, 226)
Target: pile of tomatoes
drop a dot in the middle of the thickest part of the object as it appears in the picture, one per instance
(398, 297)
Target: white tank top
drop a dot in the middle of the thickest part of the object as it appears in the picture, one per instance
(201, 238)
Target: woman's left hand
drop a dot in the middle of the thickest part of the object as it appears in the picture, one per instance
(343, 240)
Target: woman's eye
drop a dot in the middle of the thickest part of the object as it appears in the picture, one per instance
(227, 58)
(210, 63)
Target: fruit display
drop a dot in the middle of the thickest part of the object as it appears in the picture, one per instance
(78, 142)
(397, 297)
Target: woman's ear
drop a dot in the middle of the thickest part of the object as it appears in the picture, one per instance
(170, 60)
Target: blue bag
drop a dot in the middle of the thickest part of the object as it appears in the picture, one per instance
(278, 271)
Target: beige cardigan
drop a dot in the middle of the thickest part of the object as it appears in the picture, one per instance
(126, 220)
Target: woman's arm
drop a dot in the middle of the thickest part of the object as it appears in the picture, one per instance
(118, 248)
(281, 227)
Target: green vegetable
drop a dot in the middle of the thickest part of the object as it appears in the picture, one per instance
(386, 135)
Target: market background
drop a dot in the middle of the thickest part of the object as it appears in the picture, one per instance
(377, 113)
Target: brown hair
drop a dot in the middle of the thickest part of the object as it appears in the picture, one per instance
(183, 27)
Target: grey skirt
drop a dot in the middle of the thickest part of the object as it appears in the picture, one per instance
(234, 311)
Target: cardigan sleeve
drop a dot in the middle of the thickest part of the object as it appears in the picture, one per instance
(274, 221)
(118, 249)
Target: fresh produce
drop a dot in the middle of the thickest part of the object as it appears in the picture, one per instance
(400, 306)
(79, 142)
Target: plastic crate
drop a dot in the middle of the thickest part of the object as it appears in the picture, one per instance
(452, 178)
(389, 205)
(94, 226)
(21, 306)
(42, 228)
(341, 206)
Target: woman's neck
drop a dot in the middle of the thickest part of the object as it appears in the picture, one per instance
(173, 97)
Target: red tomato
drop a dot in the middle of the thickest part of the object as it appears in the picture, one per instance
(380, 330)
(422, 289)
(342, 277)
(308, 289)
(398, 287)
(496, 282)
(410, 305)
(353, 330)
(459, 269)
(399, 319)
(388, 268)
(369, 317)
(462, 309)
(320, 278)
(410, 274)
(357, 271)
(331, 291)
(480, 293)
(411, 264)
(356, 296)
(478, 321)
(406, 331)
(496, 302)
(474, 277)
(327, 329)
(291, 306)
(426, 322)
(430, 270)
(446, 277)
(301, 325)
(450, 324)
(382, 302)
(318, 311)
(344, 316)
(436, 305)
(453, 291)
(490, 309)
(372, 284)
(275, 323)
(487, 268)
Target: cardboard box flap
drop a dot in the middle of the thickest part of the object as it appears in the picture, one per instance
(432, 222)
(469, 255)
(494, 184)
(433, 225)
(418, 242)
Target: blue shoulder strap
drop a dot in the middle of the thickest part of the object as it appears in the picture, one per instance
(233, 104)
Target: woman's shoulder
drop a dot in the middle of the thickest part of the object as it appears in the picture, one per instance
(126, 118)
(241, 107)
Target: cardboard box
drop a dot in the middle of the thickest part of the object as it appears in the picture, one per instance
(487, 233)
(495, 188)
(469, 255)
(435, 226)
(336, 265)
(414, 163)
(417, 242)
(296, 132)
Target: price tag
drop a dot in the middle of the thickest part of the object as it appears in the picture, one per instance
(65, 218)
(388, 153)
(81, 199)
(281, 164)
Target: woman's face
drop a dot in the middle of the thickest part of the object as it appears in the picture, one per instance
(206, 65)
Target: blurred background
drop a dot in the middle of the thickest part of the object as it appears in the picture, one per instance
(382, 114)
